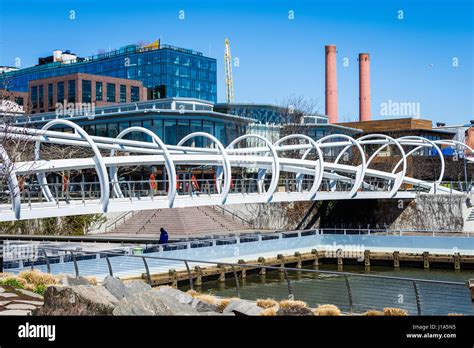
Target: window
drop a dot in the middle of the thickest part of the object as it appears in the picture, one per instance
(135, 94)
(123, 93)
(50, 94)
(71, 91)
(157, 128)
(182, 130)
(60, 92)
(123, 126)
(86, 91)
(112, 130)
(40, 97)
(170, 132)
(207, 127)
(101, 130)
(34, 96)
(196, 126)
(111, 92)
(220, 133)
(98, 91)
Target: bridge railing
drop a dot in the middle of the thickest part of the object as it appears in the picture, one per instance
(136, 189)
(353, 293)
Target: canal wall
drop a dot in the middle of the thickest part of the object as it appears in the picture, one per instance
(426, 212)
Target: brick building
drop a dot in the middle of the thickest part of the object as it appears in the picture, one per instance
(83, 88)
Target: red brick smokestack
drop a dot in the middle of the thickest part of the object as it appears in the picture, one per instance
(331, 83)
(364, 87)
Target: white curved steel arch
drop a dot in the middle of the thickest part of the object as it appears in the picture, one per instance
(275, 165)
(319, 176)
(225, 159)
(143, 153)
(440, 154)
(169, 164)
(12, 181)
(360, 172)
(399, 180)
(99, 163)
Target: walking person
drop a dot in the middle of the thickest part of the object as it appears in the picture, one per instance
(163, 236)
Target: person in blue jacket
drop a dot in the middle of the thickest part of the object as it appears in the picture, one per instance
(163, 236)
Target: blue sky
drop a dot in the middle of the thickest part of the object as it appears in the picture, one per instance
(411, 58)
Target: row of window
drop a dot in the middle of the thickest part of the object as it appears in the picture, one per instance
(37, 97)
(152, 68)
(169, 130)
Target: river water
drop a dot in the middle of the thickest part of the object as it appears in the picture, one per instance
(360, 294)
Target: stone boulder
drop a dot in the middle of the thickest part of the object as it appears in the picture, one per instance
(68, 280)
(182, 297)
(243, 308)
(116, 287)
(77, 300)
(152, 303)
(136, 287)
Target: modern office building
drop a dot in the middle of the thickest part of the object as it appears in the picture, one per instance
(83, 88)
(166, 71)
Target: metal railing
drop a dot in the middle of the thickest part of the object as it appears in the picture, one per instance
(119, 220)
(85, 191)
(353, 293)
(234, 216)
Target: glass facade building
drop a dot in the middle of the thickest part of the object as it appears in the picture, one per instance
(171, 119)
(166, 71)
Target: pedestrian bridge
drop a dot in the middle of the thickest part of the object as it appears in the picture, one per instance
(251, 169)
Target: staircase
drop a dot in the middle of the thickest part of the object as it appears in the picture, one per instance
(180, 222)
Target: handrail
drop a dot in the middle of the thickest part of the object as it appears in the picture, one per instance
(123, 216)
(257, 265)
(234, 215)
(143, 227)
(358, 299)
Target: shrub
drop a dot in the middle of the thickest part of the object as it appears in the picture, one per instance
(327, 309)
(13, 282)
(373, 313)
(394, 312)
(40, 289)
(267, 303)
(222, 304)
(92, 280)
(289, 304)
(270, 311)
(192, 293)
(36, 277)
(208, 298)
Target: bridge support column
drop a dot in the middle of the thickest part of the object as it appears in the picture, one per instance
(396, 259)
(1, 256)
(471, 287)
(198, 271)
(299, 262)
(367, 258)
(316, 258)
(221, 273)
(282, 262)
(174, 278)
(263, 270)
(426, 260)
(244, 270)
(457, 261)
(339, 259)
